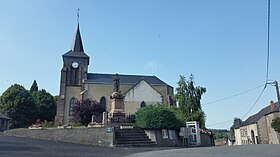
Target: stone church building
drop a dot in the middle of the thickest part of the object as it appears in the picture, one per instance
(76, 83)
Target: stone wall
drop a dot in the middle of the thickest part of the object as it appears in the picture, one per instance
(206, 140)
(273, 136)
(164, 141)
(263, 131)
(93, 136)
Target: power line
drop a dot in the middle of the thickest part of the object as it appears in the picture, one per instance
(246, 112)
(254, 102)
(220, 123)
(232, 96)
(267, 72)
(268, 40)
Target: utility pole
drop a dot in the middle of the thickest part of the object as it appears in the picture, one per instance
(277, 93)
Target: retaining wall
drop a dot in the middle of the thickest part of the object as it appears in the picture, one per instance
(93, 136)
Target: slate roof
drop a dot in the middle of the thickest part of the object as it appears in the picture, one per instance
(4, 117)
(124, 79)
(263, 112)
(72, 53)
(77, 49)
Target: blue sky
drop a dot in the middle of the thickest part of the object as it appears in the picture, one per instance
(222, 42)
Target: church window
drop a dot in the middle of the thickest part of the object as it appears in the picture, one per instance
(170, 100)
(143, 104)
(74, 77)
(71, 106)
(103, 103)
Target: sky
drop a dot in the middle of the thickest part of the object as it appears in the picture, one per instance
(223, 43)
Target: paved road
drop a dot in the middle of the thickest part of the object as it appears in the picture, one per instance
(25, 147)
(224, 151)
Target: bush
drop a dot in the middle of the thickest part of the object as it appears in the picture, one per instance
(84, 110)
(156, 117)
(276, 124)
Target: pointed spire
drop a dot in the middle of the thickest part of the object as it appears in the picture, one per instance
(77, 43)
(77, 49)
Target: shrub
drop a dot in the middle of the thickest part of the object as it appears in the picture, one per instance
(156, 117)
(276, 124)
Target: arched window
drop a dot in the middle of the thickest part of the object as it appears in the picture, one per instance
(103, 103)
(143, 104)
(74, 76)
(253, 137)
(71, 106)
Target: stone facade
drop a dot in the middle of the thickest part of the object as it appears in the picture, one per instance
(257, 128)
(267, 133)
(77, 83)
(93, 136)
(248, 134)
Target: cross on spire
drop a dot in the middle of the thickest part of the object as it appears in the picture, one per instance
(78, 15)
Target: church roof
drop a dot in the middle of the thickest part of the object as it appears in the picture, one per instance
(256, 117)
(124, 79)
(77, 49)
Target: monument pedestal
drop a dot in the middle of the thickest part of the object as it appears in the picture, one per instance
(117, 115)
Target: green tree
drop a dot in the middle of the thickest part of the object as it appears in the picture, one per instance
(220, 133)
(46, 105)
(34, 87)
(236, 124)
(188, 97)
(157, 117)
(17, 103)
(181, 93)
(276, 124)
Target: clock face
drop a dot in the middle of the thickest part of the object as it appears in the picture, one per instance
(75, 65)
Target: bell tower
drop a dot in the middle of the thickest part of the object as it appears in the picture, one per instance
(73, 73)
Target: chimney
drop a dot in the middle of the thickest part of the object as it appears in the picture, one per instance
(272, 106)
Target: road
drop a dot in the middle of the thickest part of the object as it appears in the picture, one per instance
(25, 147)
(223, 151)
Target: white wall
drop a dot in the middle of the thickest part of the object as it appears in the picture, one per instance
(140, 92)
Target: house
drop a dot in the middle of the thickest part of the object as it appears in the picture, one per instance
(4, 123)
(257, 128)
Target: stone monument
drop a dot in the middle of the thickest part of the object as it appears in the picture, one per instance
(117, 114)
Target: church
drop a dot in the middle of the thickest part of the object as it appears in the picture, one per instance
(76, 83)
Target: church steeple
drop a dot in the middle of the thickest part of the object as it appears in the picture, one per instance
(77, 43)
(77, 49)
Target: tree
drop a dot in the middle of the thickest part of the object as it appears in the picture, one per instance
(236, 124)
(157, 117)
(17, 103)
(220, 133)
(46, 105)
(181, 93)
(34, 87)
(84, 110)
(188, 97)
(276, 124)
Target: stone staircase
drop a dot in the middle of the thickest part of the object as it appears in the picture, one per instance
(132, 138)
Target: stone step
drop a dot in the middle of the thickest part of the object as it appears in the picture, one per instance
(131, 134)
(134, 139)
(137, 145)
(134, 142)
(129, 130)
